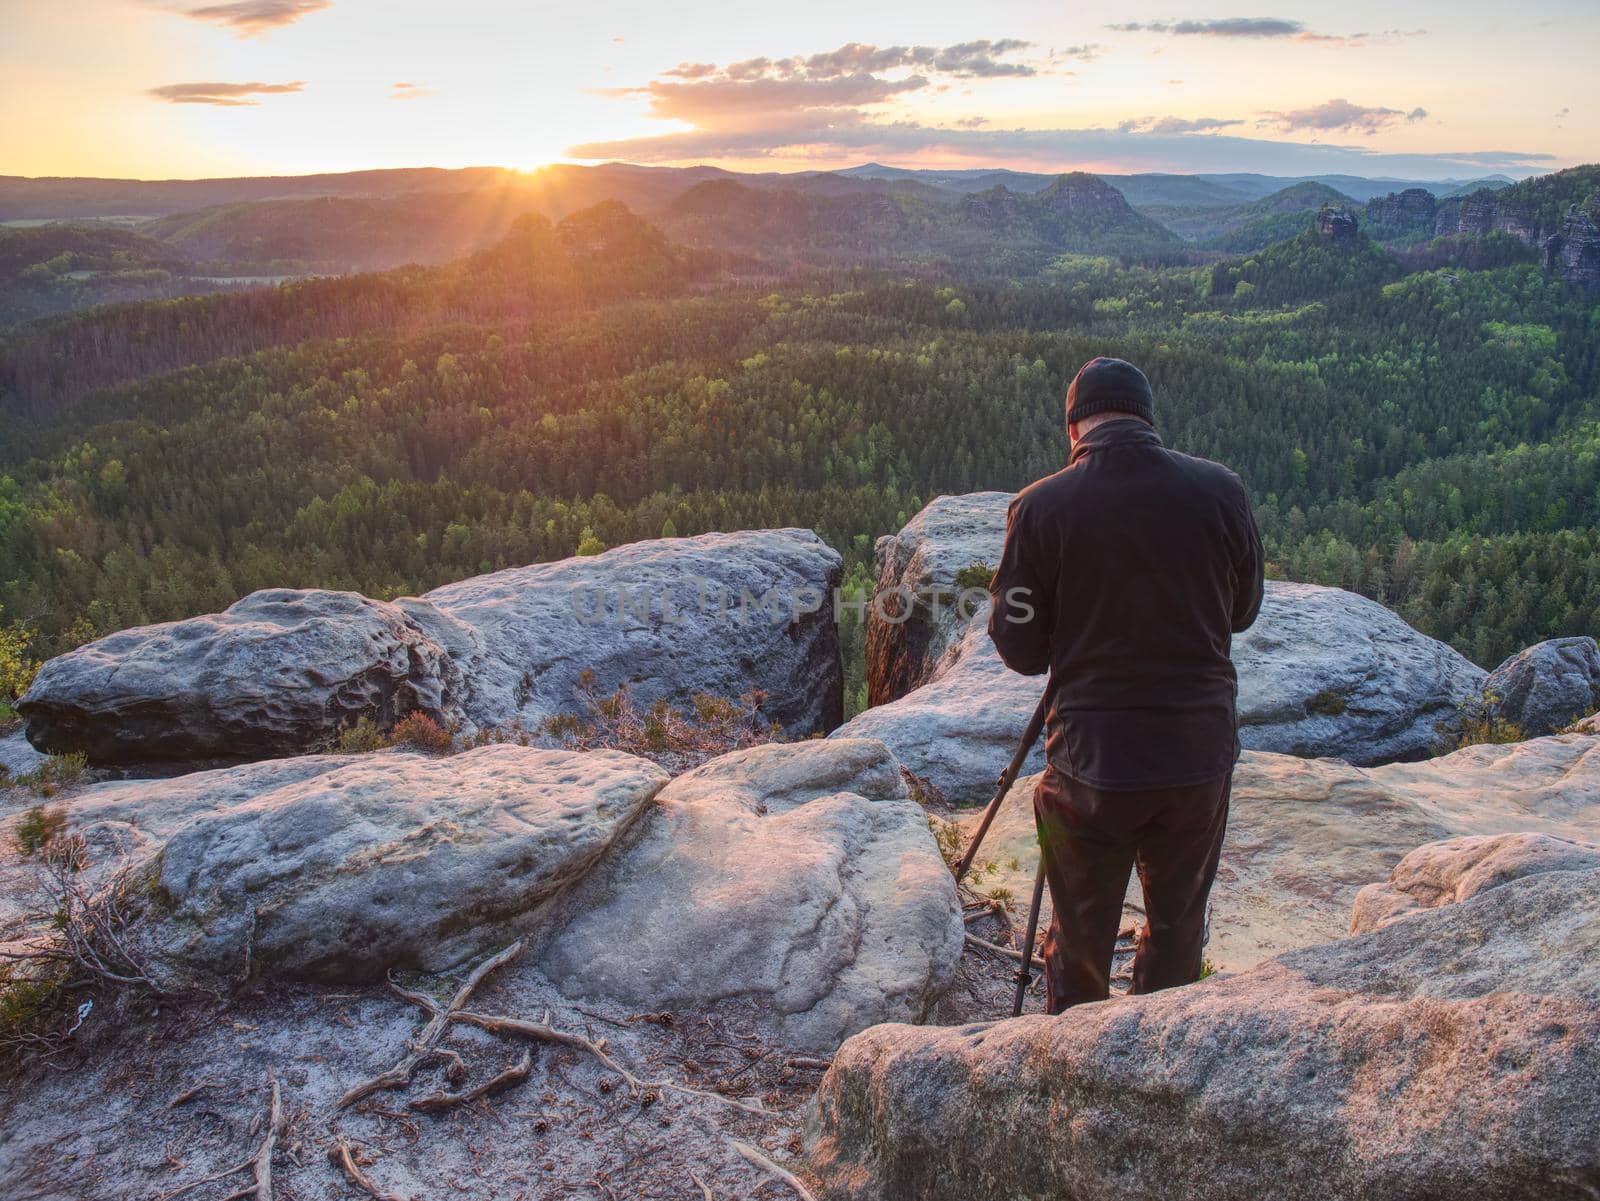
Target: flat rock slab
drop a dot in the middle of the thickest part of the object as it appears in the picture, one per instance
(1323, 672)
(1452, 1054)
(798, 877)
(1458, 869)
(350, 866)
(1305, 836)
(724, 614)
(280, 672)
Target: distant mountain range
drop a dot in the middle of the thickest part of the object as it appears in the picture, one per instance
(72, 243)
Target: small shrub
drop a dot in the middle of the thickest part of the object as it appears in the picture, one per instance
(1327, 703)
(55, 773)
(38, 828)
(677, 740)
(1478, 723)
(421, 732)
(975, 575)
(1207, 969)
(361, 737)
(947, 837)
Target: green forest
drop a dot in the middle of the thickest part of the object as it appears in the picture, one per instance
(1427, 435)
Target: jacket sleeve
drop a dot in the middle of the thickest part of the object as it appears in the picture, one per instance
(1249, 568)
(1020, 603)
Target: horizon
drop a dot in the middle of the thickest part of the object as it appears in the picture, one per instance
(797, 172)
(183, 89)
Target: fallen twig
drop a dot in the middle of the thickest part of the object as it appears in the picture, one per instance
(705, 1189)
(441, 1101)
(756, 1158)
(544, 1032)
(423, 1045)
(259, 1163)
(807, 1061)
(342, 1158)
(269, 1140)
(999, 950)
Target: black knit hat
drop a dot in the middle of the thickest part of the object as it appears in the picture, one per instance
(1110, 386)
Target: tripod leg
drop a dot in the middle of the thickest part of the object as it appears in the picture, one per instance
(1025, 970)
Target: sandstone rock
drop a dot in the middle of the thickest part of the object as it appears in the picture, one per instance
(1306, 835)
(1450, 1055)
(1336, 222)
(1410, 211)
(1322, 672)
(281, 671)
(922, 562)
(17, 756)
(959, 730)
(1573, 251)
(277, 673)
(1547, 686)
(1326, 672)
(342, 867)
(719, 613)
(794, 878)
(1458, 869)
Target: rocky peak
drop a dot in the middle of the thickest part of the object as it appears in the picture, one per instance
(1336, 222)
(1412, 207)
(1573, 252)
(993, 205)
(1078, 190)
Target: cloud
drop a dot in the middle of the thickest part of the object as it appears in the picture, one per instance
(1178, 124)
(223, 95)
(1335, 115)
(849, 103)
(252, 18)
(1259, 27)
(964, 60)
(411, 91)
(1226, 27)
(1055, 150)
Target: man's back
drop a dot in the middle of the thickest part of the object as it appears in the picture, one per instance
(1140, 563)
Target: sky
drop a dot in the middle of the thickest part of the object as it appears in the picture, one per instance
(202, 88)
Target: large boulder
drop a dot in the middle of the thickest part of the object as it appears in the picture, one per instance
(1326, 672)
(1306, 835)
(344, 867)
(961, 728)
(1453, 1054)
(280, 672)
(1458, 869)
(795, 880)
(919, 578)
(1322, 672)
(724, 614)
(1548, 686)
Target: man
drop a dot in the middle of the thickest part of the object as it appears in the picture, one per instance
(1125, 575)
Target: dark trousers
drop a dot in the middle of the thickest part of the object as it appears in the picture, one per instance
(1091, 839)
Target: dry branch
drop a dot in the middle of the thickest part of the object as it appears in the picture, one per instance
(260, 1162)
(342, 1158)
(441, 1101)
(544, 1032)
(999, 950)
(755, 1157)
(423, 1045)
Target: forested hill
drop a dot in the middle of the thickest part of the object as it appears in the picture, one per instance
(537, 271)
(1430, 438)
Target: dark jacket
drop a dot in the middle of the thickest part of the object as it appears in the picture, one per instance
(1139, 564)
